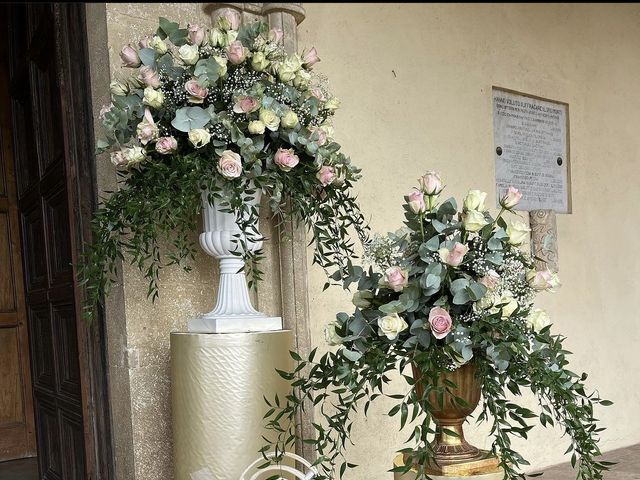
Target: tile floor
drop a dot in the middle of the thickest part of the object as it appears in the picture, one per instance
(25, 469)
(628, 467)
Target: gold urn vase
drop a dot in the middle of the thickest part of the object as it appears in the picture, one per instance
(453, 454)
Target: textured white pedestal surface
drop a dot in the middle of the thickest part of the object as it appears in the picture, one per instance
(217, 386)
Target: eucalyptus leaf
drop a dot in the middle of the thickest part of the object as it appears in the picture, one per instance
(189, 118)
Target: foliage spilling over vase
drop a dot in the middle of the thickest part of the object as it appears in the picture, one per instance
(452, 291)
(224, 111)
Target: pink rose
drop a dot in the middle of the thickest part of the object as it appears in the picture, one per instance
(245, 104)
(454, 256)
(416, 202)
(319, 135)
(195, 34)
(318, 93)
(166, 145)
(310, 58)
(285, 159)
(440, 322)
(326, 175)
(150, 77)
(276, 35)
(117, 158)
(147, 130)
(230, 165)
(197, 93)
(490, 280)
(540, 280)
(144, 42)
(129, 56)
(236, 53)
(396, 278)
(510, 198)
(431, 183)
(234, 18)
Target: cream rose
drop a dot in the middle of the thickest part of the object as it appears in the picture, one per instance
(259, 62)
(391, 326)
(302, 79)
(289, 119)
(270, 119)
(189, 54)
(222, 63)
(396, 278)
(285, 159)
(118, 159)
(152, 97)
(518, 232)
(287, 70)
(440, 322)
(256, 127)
(454, 256)
(538, 319)
(332, 104)
(217, 38)
(507, 304)
(331, 336)
(230, 165)
(473, 220)
(199, 137)
(475, 200)
(119, 89)
(134, 155)
(158, 45)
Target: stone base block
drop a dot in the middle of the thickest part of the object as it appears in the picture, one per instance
(234, 324)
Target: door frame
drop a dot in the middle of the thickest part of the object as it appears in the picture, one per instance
(72, 64)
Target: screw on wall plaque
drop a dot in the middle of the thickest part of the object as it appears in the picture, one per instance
(559, 160)
(499, 151)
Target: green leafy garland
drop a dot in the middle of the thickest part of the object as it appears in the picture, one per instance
(224, 111)
(452, 288)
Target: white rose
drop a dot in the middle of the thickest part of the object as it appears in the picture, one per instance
(507, 303)
(361, 298)
(230, 165)
(199, 137)
(232, 36)
(391, 326)
(134, 155)
(473, 220)
(302, 79)
(330, 335)
(287, 70)
(259, 62)
(217, 38)
(518, 232)
(158, 45)
(289, 119)
(270, 119)
(538, 319)
(222, 63)
(256, 127)
(118, 88)
(152, 97)
(475, 200)
(486, 302)
(189, 54)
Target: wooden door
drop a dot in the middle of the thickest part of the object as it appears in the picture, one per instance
(43, 204)
(17, 436)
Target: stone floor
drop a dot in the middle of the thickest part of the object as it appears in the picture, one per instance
(25, 469)
(628, 467)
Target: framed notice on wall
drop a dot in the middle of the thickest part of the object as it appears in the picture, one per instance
(531, 140)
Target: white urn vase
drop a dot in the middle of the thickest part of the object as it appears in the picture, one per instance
(233, 312)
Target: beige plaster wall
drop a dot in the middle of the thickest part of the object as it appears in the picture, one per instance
(416, 81)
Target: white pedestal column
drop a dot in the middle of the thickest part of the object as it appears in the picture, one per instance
(218, 385)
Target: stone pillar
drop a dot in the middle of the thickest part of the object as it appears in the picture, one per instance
(544, 239)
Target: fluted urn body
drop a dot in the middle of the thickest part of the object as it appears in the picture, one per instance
(453, 454)
(223, 239)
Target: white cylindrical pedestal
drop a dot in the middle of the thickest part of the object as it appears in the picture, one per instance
(218, 382)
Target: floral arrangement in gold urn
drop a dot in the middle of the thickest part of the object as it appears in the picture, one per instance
(449, 302)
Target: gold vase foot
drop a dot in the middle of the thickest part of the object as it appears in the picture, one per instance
(483, 462)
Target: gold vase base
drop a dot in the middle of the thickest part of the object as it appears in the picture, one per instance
(486, 468)
(483, 463)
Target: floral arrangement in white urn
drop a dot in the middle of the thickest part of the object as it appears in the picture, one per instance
(218, 116)
(451, 299)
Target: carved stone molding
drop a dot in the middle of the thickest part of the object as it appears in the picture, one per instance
(544, 239)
